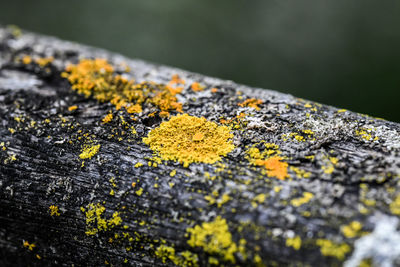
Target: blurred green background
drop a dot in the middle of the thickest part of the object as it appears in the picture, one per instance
(338, 52)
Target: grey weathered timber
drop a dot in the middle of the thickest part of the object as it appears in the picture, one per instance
(340, 202)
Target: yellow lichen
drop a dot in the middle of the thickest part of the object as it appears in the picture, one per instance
(54, 210)
(107, 118)
(260, 198)
(95, 221)
(214, 237)
(89, 151)
(3, 146)
(352, 229)
(43, 61)
(366, 134)
(172, 173)
(96, 78)
(197, 87)
(139, 164)
(26, 60)
(72, 108)
(28, 245)
(300, 173)
(294, 242)
(139, 192)
(329, 248)
(395, 206)
(330, 164)
(297, 202)
(183, 259)
(179, 139)
(251, 103)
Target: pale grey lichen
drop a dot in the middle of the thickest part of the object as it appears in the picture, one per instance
(382, 245)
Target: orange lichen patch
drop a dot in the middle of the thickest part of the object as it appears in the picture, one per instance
(43, 61)
(251, 103)
(214, 90)
(96, 78)
(72, 108)
(275, 167)
(269, 159)
(190, 139)
(26, 60)
(196, 87)
(176, 80)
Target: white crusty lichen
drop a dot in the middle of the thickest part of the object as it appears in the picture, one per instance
(381, 246)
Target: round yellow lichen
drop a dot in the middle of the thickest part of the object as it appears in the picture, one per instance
(190, 139)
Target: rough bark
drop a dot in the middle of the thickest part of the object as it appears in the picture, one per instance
(348, 162)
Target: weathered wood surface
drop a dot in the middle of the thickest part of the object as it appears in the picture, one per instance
(350, 163)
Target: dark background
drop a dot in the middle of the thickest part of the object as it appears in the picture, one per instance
(339, 52)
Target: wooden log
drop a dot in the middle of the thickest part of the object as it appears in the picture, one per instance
(130, 174)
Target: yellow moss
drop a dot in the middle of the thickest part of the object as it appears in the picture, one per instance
(214, 237)
(89, 151)
(95, 221)
(252, 103)
(297, 202)
(329, 248)
(54, 210)
(178, 140)
(26, 244)
(352, 229)
(294, 242)
(96, 78)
